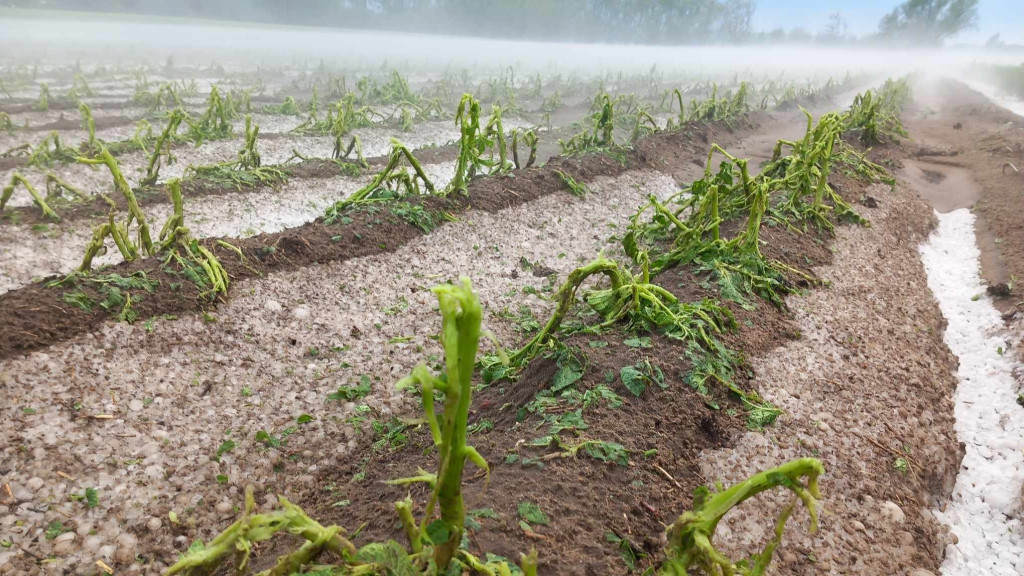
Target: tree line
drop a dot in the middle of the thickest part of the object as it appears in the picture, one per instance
(622, 21)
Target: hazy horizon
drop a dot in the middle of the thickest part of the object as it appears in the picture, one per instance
(837, 21)
(114, 41)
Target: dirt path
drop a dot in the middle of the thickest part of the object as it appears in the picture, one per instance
(972, 141)
(968, 170)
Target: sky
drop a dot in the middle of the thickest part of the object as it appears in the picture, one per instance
(1003, 16)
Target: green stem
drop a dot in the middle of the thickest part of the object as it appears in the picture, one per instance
(461, 315)
(105, 157)
(565, 297)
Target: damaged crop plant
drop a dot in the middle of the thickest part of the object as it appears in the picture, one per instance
(437, 543)
(482, 149)
(176, 250)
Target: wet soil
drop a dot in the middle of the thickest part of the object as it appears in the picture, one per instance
(978, 146)
(75, 123)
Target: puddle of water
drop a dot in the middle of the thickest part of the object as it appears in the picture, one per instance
(946, 187)
(988, 420)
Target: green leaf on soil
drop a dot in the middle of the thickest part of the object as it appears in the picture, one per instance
(566, 376)
(638, 342)
(571, 421)
(227, 446)
(532, 513)
(484, 513)
(601, 392)
(353, 393)
(607, 452)
(636, 378)
(92, 497)
(633, 380)
(629, 555)
(54, 529)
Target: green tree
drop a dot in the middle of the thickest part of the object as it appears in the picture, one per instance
(928, 21)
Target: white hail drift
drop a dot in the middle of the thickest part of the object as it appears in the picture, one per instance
(988, 420)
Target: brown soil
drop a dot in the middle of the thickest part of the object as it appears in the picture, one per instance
(12, 162)
(20, 105)
(28, 317)
(972, 141)
(75, 123)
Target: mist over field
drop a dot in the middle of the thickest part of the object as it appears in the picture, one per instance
(120, 39)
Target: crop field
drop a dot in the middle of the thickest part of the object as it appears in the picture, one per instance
(376, 316)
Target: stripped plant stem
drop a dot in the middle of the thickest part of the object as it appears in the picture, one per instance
(162, 148)
(690, 537)
(495, 133)
(391, 182)
(57, 186)
(8, 190)
(529, 137)
(803, 175)
(354, 145)
(460, 335)
(876, 114)
(89, 125)
(215, 123)
(435, 543)
(175, 239)
(577, 189)
(249, 156)
(6, 124)
(43, 102)
(42, 155)
(600, 136)
(565, 297)
(121, 185)
(237, 540)
(467, 119)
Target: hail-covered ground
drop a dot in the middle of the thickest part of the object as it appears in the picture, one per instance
(983, 510)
